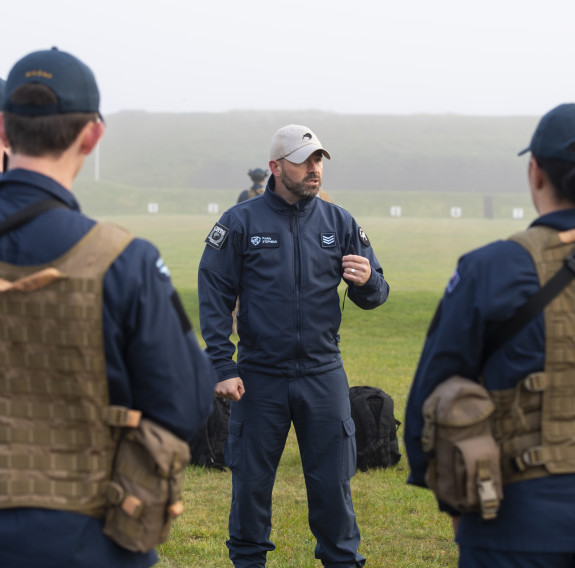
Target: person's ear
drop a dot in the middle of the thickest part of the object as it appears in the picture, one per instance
(538, 176)
(275, 167)
(91, 135)
(3, 137)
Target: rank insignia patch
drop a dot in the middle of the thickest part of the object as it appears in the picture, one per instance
(327, 240)
(217, 236)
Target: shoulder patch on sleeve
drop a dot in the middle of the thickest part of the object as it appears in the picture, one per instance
(162, 268)
(217, 236)
(453, 282)
(363, 237)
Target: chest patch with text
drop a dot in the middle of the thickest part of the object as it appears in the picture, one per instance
(263, 240)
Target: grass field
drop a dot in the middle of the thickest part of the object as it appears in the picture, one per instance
(400, 525)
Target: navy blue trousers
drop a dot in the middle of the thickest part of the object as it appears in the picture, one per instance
(471, 557)
(318, 406)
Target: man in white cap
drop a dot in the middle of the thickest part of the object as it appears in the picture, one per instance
(284, 254)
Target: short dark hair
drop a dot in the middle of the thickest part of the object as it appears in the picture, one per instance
(561, 174)
(42, 135)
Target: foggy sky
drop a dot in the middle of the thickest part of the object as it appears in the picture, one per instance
(495, 57)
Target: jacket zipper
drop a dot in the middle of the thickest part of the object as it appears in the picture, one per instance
(294, 227)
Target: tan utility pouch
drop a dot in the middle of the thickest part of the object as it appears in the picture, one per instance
(145, 492)
(464, 469)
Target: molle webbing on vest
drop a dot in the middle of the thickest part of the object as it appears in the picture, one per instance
(535, 421)
(56, 440)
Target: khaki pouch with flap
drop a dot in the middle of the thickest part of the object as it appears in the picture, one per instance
(145, 491)
(464, 469)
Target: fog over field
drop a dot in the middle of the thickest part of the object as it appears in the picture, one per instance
(369, 152)
(407, 96)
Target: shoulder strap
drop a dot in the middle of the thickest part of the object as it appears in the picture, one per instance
(28, 213)
(533, 306)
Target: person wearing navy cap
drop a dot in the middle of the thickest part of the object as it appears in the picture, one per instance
(528, 373)
(284, 253)
(258, 177)
(93, 330)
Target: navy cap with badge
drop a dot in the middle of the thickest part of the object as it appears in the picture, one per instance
(71, 81)
(554, 137)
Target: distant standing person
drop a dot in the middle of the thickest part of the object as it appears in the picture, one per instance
(93, 333)
(258, 177)
(528, 379)
(285, 253)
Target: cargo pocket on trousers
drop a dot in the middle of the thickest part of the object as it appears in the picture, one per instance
(233, 448)
(349, 461)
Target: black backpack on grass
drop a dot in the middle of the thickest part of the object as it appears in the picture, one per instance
(207, 447)
(375, 428)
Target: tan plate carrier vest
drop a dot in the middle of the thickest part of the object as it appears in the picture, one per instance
(255, 192)
(534, 423)
(57, 440)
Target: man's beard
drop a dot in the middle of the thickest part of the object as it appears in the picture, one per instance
(300, 188)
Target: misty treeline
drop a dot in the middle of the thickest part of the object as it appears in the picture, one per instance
(375, 152)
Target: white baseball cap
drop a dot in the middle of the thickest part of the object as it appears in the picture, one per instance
(296, 144)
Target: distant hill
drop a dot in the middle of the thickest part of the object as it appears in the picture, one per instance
(377, 152)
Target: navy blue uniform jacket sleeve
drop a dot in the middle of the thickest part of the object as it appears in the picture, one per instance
(218, 277)
(376, 290)
(485, 290)
(150, 341)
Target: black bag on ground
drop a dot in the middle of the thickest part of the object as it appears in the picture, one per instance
(207, 447)
(375, 428)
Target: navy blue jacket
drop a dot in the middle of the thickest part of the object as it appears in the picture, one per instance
(152, 364)
(284, 263)
(487, 287)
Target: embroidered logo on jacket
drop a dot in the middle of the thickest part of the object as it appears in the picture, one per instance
(162, 268)
(264, 240)
(453, 282)
(363, 237)
(217, 236)
(327, 240)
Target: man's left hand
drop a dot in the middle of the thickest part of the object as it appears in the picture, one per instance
(356, 269)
